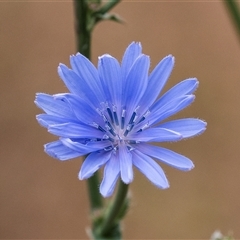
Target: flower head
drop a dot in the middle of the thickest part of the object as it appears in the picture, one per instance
(112, 114)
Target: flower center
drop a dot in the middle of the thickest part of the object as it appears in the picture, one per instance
(115, 127)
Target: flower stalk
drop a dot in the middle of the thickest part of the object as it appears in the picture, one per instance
(113, 213)
(83, 39)
(87, 14)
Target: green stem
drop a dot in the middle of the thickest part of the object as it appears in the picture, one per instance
(83, 39)
(235, 13)
(93, 192)
(83, 33)
(114, 210)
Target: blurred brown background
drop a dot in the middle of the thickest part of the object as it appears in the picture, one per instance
(43, 198)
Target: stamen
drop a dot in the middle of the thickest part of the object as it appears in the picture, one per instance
(130, 148)
(106, 137)
(126, 133)
(131, 127)
(132, 117)
(115, 115)
(127, 130)
(101, 129)
(94, 125)
(134, 120)
(110, 128)
(93, 140)
(132, 141)
(98, 127)
(99, 111)
(112, 132)
(110, 113)
(123, 118)
(144, 116)
(108, 148)
(144, 127)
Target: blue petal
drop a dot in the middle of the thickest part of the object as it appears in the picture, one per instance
(150, 169)
(72, 130)
(100, 144)
(185, 87)
(169, 109)
(83, 149)
(58, 150)
(136, 84)
(155, 134)
(53, 107)
(83, 111)
(46, 120)
(110, 176)
(125, 159)
(132, 52)
(157, 80)
(92, 163)
(110, 75)
(167, 156)
(187, 127)
(87, 71)
(183, 103)
(77, 85)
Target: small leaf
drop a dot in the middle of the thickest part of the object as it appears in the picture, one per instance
(109, 16)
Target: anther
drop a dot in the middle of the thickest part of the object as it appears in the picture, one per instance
(110, 128)
(112, 132)
(123, 118)
(132, 117)
(115, 115)
(130, 148)
(144, 116)
(101, 129)
(108, 148)
(106, 137)
(144, 127)
(132, 142)
(110, 113)
(98, 127)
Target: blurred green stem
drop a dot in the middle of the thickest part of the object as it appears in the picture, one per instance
(233, 9)
(83, 38)
(83, 33)
(87, 14)
(114, 210)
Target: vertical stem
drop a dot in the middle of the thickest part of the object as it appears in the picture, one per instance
(83, 34)
(234, 12)
(93, 192)
(83, 39)
(114, 210)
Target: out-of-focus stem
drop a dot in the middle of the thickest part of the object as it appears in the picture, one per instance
(83, 39)
(234, 11)
(83, 33)
(114, 210)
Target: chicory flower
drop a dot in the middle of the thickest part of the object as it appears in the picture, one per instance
(112, 114)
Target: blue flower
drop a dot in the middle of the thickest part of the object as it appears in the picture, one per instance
(112, 114)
